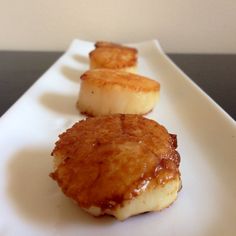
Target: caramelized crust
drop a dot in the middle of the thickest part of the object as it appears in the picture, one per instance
(102, 44)
(107, 78)
(106, 160)
(112, 56)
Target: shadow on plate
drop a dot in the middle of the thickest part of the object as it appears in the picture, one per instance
(71, 73)
(81, 59)
(36, 197)
(62, 104)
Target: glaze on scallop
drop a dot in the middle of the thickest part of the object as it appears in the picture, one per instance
(120, 165)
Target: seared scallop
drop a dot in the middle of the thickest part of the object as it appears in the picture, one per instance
(119, 165)
(113, 56)
(105, 91)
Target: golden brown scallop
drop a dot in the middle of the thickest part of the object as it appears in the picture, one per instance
(105, 91)
(120, 165)
(113, 56)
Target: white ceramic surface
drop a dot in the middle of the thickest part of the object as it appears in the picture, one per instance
(32, 204)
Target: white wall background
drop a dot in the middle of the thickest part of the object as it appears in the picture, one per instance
(181, 25)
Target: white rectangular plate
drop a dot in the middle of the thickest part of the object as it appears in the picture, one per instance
(32, 204)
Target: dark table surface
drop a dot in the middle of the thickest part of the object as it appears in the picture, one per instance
(215, 74)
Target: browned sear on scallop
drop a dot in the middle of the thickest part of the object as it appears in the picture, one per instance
(113, 56)
(108, 159)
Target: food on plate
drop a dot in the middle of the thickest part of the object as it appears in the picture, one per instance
(105, 91)
(113, 56)
(120, 165)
